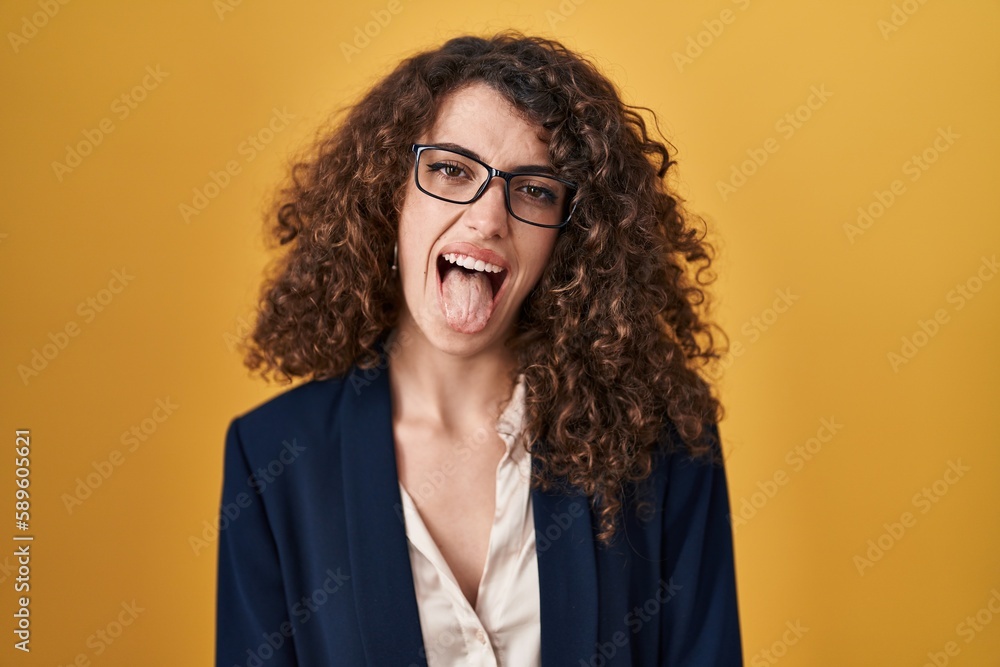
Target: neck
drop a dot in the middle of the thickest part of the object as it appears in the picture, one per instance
(441, 389)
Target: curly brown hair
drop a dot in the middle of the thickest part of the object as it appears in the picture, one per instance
(614, 334)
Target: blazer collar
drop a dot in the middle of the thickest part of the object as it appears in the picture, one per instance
(381, 575)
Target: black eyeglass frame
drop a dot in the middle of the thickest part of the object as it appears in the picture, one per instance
(492, 173)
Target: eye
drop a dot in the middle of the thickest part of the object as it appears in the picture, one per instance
(451, 170)
(538, 194)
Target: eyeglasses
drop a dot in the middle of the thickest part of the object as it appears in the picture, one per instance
(537, 199)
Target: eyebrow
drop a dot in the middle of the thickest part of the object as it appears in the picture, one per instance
(544, 168)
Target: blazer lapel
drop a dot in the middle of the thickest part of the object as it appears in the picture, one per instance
(379, 554)
(567, 576)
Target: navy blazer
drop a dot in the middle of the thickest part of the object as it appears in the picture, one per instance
(314, 567)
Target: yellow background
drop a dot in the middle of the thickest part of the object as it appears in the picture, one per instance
(168, 334)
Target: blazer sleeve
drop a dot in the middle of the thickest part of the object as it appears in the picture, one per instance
(701, 621)
(251, 614)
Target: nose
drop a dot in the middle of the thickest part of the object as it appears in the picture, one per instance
(488, 214)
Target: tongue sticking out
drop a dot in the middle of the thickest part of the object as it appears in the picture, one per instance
(467, 299)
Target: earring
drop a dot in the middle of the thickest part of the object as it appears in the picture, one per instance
(395, 258)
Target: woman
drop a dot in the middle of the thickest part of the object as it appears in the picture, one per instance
(504, 453)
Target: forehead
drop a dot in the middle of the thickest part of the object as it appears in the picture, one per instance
(479, 118)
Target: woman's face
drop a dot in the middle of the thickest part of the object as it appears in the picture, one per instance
(460, 312)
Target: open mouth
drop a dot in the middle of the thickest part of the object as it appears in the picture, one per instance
(496, 279)
(467, 301)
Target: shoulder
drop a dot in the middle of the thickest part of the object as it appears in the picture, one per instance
(307, 411)
(299, 401)
(677, 473)
(695, 494)
(671, 451)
